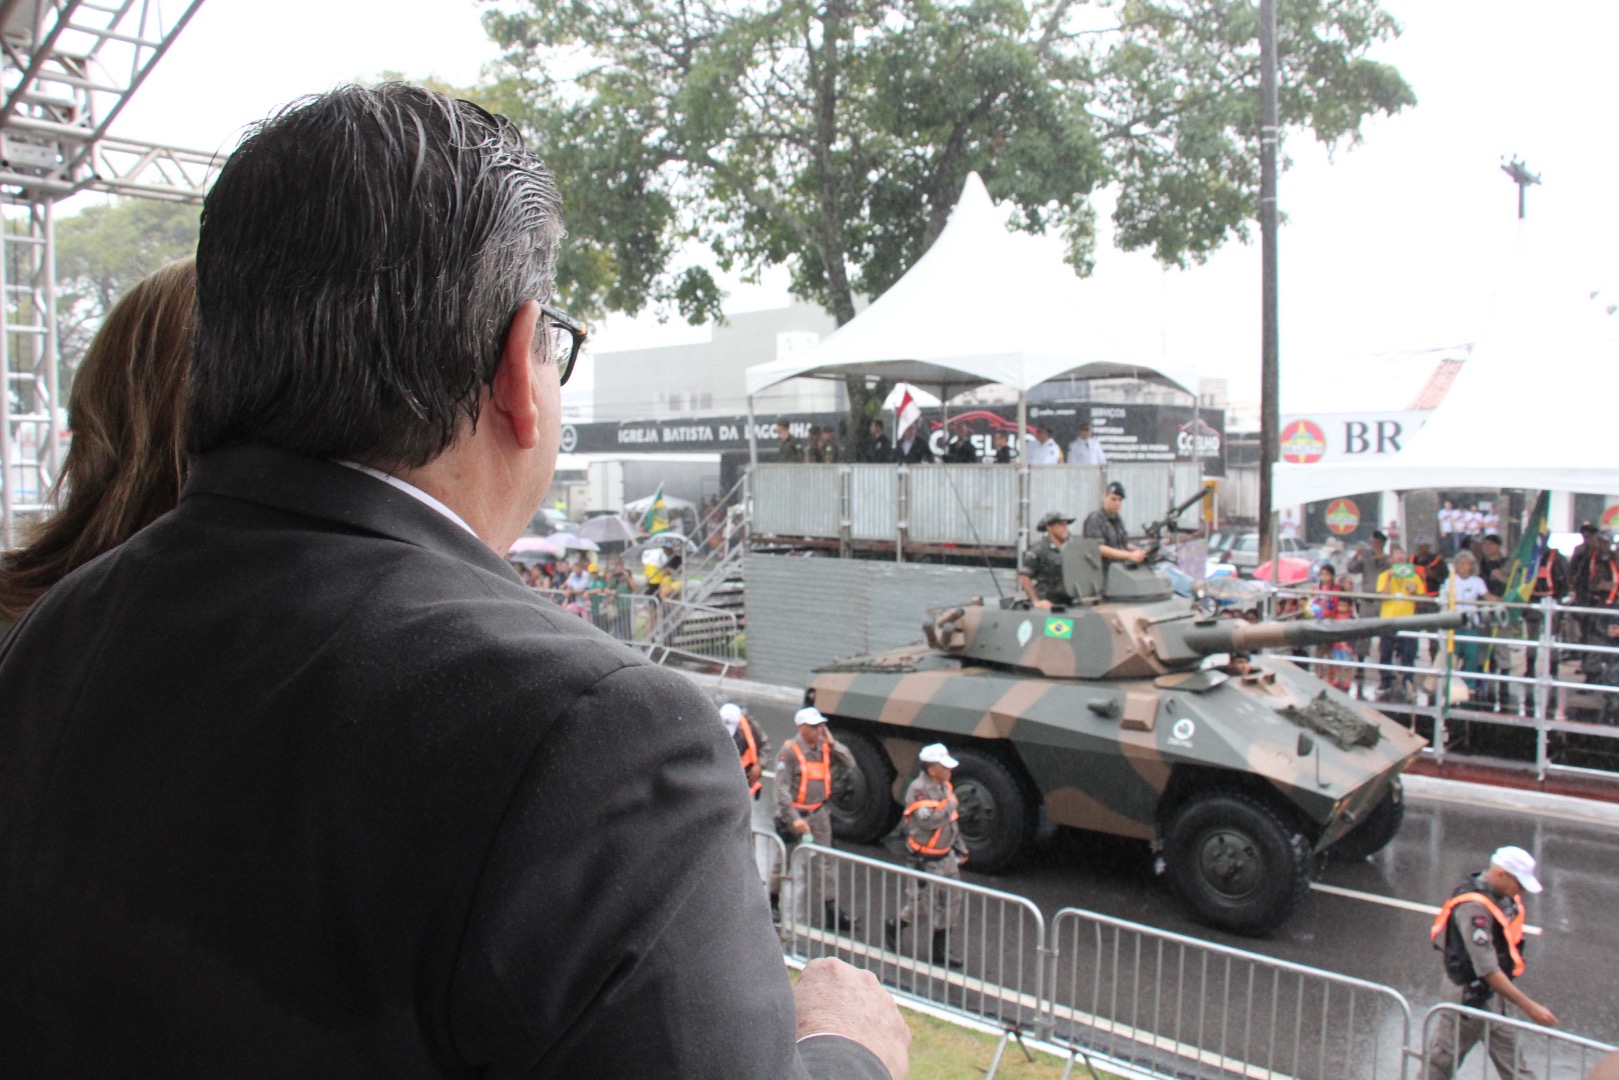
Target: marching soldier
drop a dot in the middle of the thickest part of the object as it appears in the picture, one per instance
(752, 744)
(1041, 577)
(935, 846)
(1480, 931)
(803, 786)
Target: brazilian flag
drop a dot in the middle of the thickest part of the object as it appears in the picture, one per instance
(1533, 550)
(656, 518)
(1060, 628)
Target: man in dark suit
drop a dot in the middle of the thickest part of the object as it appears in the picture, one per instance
(302, 781)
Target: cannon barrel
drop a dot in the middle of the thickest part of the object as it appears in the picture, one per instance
(1238, 636)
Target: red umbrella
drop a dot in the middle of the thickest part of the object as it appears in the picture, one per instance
(1294, 570)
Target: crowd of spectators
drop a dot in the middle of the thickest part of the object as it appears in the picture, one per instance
(1390, 581)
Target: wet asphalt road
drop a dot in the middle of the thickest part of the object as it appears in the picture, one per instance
(1573, 965)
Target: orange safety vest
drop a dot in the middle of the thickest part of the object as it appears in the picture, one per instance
(1513, 927)
(812, 770)
(750, 756)
(932, 848)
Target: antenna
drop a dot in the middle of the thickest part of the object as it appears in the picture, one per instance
(965, 513)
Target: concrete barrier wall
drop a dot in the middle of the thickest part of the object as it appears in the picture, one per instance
(803, 612)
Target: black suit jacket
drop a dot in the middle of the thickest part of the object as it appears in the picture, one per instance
(302, 782)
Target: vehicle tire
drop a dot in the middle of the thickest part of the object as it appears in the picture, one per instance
(1237, 862)
(1373, 834)
(998, 816)
(862, 804)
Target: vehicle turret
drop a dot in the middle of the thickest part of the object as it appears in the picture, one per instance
(1135, 628)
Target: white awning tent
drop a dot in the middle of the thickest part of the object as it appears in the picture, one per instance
(1530, 409)
(984, 304)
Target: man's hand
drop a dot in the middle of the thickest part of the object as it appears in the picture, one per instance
(1043, 605)
(835, 999)
(1540, 1014)
(754, 772)
(1136, 555)
(801, 827)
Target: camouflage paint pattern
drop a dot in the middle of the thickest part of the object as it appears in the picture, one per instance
(1103, 704)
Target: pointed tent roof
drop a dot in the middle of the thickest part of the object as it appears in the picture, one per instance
(984, 304)
(1515, 416)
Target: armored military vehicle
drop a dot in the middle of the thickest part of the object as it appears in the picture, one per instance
(1115, 713)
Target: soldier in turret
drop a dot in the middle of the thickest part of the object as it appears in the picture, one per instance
(1106, 526)
(803, 787)
(933, 841)
(1480, 929)
(1041, 577)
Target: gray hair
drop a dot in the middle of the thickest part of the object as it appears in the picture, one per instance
(361, 258)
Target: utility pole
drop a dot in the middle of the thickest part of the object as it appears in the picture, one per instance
(1269, 362)
(1520, 175)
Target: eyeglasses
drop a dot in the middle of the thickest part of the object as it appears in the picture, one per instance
(566, 337)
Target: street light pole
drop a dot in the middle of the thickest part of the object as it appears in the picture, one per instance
(1520, 174)
(1269, 364)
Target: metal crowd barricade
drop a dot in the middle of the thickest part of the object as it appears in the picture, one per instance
(999, 937)
(663, 629)
(1177, 1006)
(770, 859)
(1545, 699)
(1461, 1042)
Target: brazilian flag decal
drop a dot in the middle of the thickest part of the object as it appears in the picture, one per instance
(1060, 628)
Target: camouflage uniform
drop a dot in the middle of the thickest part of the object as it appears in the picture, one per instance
(819, 819)
(1043, 565)
(930, 829)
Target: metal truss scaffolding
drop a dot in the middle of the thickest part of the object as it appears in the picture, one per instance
(67, 69)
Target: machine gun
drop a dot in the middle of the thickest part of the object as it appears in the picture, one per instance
(1154, 532)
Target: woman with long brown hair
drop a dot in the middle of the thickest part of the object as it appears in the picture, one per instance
(126, 464)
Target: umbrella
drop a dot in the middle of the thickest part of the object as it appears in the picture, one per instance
(669, 501)
(538, 545)
(573, 541)
(608, 529)
(1294, 570)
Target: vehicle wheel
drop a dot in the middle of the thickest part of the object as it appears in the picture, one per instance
(1373, 834)
(997, 815)
(862, 803)
(1238, 864)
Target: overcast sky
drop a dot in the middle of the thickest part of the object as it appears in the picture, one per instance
(1399, 244)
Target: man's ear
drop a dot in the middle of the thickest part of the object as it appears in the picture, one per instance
(516, 395)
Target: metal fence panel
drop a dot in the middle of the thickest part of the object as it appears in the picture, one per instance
(1147, 494)
(963, 504)
(1461, 1042)
(803, 612)
(796, 500)
(873, 502)
(1000, 938)
(1178, 1006)
(1076, 490)
(769, 859)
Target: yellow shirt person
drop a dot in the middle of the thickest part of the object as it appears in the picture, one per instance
(1402, 580)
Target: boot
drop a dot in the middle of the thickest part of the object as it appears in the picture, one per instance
(891, 932)
(775, 908)
(836, 918)
(941, 953)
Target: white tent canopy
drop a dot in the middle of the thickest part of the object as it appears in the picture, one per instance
(984, 305)
(1529, 409)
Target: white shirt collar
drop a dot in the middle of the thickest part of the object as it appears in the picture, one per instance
(413, 491)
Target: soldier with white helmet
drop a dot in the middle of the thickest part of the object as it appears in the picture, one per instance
(933, 841)
(1480, 930)
(803, 789)
(752, 744)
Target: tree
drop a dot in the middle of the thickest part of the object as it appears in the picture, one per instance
(834, 136)
(101, 252)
